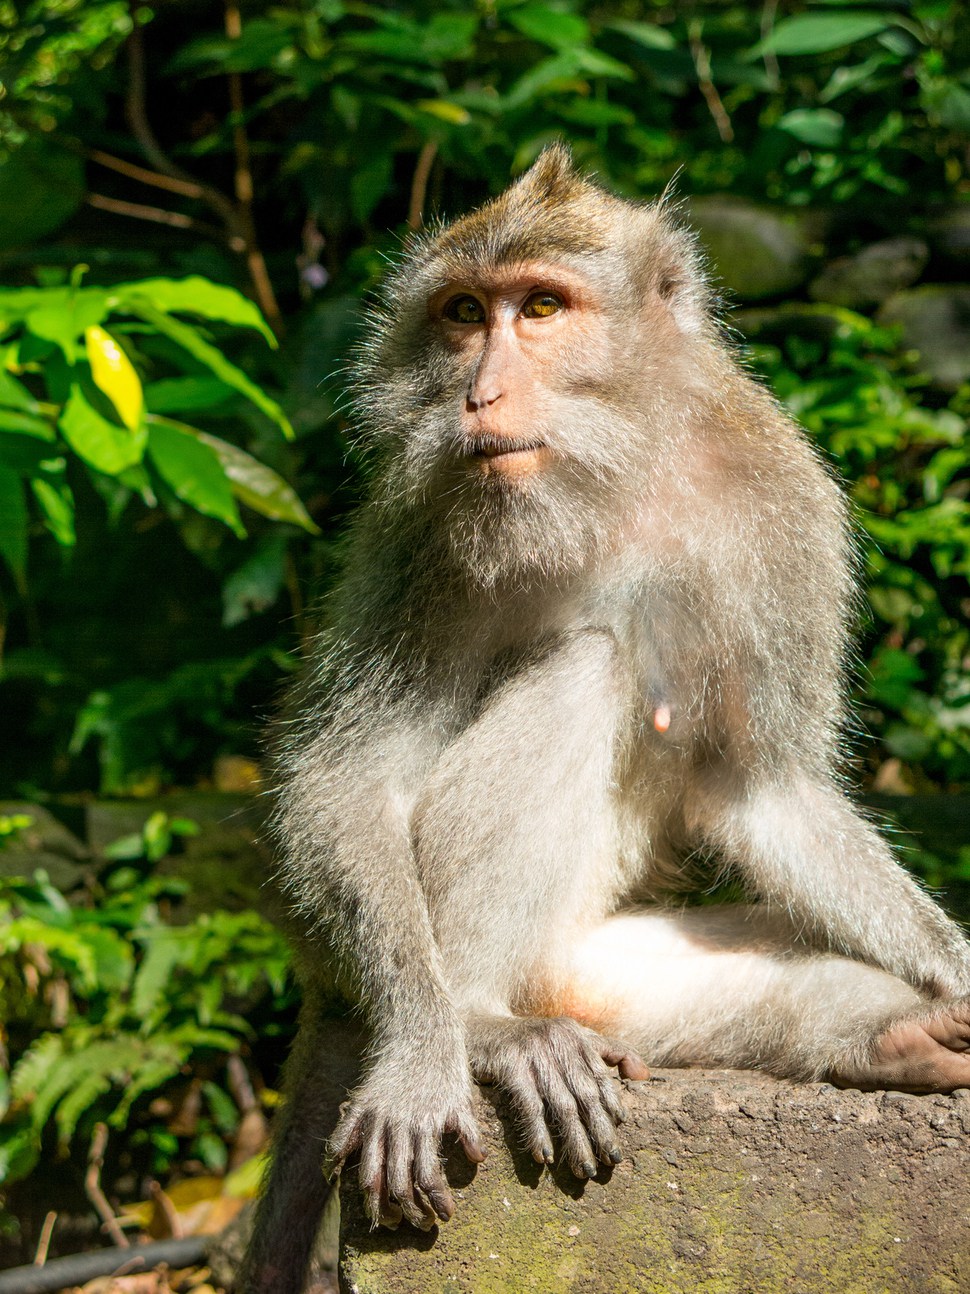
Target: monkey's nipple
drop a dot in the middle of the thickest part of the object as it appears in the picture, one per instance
(661, 718)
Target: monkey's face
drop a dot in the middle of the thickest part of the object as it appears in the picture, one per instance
(526, 347)
(519, 381)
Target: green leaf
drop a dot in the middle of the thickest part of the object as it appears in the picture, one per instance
(448, 36)
(103, 444)
(194, 472)
(197, 296)
(186, 394)
(454, 114)
(550, 26)
(64, 314)
(819, 127)
(258, 486)
(645, 33)
(56, 503)
(14, 395)
(816, 33)
(13, 522)
(256, 585)
(26, 424)
(190, 340)
(19, 1153)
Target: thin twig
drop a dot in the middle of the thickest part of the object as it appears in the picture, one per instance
(240, 1084)
(702, 66)
(158, 215)
(92, 1186)
(44, 1243)
(772, 67)
(167, 1209)
(243, 181)
(419, 185)
(187, 188)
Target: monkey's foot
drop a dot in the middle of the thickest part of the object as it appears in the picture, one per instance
(556, 1073)
(921, 1054)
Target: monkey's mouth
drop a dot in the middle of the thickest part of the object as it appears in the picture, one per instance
(495, 448)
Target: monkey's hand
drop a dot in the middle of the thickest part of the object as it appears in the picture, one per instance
(556, 1072)
(396, 1119)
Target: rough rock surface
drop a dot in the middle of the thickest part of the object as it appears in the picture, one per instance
(935, 319)
(756, 251)
(731, 1183)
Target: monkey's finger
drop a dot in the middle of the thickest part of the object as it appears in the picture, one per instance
(626, 1061)
(373, 1181)
(532, 1120)
(586, 1085)
(430, 1179)
(400, 1183)
(569, 1124)
(600, 1126)
(466, 1129)
(343, 1141)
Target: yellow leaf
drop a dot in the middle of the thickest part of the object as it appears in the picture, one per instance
(450, 112)
(113, 374)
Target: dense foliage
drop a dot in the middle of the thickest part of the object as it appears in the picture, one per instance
(185, 150)
(118, 995)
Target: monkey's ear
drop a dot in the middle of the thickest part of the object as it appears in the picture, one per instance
(552, 177)
(679, 276)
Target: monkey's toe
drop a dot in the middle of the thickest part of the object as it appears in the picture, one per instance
(918, 1055)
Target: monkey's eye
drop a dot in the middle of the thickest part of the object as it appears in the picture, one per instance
(542, 304)
(465, 310)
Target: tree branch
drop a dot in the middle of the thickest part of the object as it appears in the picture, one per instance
(419, 184)
(702, 66)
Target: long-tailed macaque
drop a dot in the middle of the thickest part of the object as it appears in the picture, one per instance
(593, 622)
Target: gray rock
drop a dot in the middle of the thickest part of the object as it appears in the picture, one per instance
(935, 320)
(949, 234)
(757, 251)
(729, 1182)
(46, 844)
(873, 274)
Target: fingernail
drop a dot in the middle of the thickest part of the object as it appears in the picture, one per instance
(615, 1155)
(589, 1168)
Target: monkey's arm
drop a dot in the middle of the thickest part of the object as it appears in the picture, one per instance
(802, 845)
(516, 839)
(349, 861)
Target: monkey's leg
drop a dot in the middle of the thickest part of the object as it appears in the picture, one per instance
(807, 850)
(295, 1192)
(734, 986)
(517, 842)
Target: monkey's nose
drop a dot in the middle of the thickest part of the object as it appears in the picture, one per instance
(477, 399)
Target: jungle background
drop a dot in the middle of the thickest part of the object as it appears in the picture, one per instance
(195, 198)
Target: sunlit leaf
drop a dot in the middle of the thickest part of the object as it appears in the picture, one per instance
(453, 113)
(258, 486)
(193, 471)
(190, 340)
(113, 373)
(64, 314)
(197, 296)
(101, 443)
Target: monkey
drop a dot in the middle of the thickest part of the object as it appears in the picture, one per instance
(593, 622)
